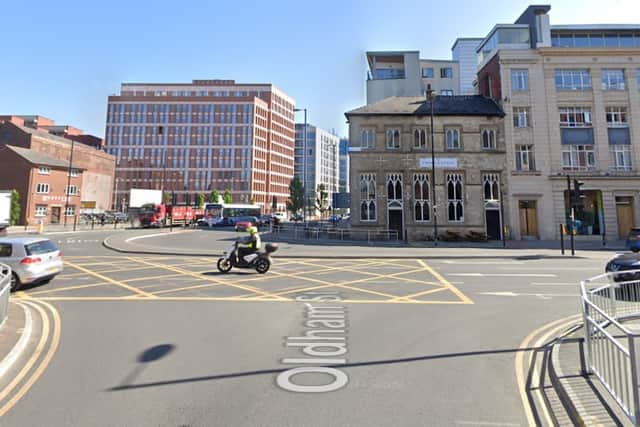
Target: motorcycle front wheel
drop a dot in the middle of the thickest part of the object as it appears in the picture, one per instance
(262, 265)
(224, 265)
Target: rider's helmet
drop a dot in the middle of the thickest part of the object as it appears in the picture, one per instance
(252, 230)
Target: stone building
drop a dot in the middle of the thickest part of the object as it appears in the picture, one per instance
(391, 166)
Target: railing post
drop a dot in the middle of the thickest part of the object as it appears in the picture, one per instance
(634, 379)
(587, 336)
(562, 238)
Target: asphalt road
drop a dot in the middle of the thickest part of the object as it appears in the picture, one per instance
(152, 340)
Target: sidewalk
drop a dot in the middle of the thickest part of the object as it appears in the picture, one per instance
(212, 244)
(61, 228)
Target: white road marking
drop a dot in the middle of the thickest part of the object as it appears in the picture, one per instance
(502, 275)
(146, 236)
(513, 294)
(484, 423)
(555, 284)
(446, 261)
(553, 268)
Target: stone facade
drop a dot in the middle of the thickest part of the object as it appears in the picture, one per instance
(403, 178)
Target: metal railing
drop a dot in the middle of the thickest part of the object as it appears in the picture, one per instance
(5, 290)
(300, 232)
(613, 348)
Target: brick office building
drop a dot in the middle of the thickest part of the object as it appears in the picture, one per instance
(99, 167)
(190, 138)
(41, 181)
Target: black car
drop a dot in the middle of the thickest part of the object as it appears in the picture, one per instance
(624, 262)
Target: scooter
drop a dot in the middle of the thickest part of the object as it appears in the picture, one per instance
(260, 260)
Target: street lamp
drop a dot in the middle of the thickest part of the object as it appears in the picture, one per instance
(304, 165)
(430, 98)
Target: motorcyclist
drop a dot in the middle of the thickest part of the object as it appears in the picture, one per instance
(249, 244)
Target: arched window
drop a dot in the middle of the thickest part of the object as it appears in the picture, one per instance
(420, 139)
(422, 205)
(490, 186)
(455, 202)
(394, 186)
(393, 139)
(453, 139)
(489, 139)
(367, 197)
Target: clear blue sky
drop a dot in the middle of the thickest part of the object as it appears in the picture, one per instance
(61, 59)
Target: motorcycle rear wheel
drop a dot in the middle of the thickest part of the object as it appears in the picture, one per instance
(262, 265)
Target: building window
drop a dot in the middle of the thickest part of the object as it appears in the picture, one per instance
(455, 203)
(453, 139)
(42, 188)
(578, 157)
(573, 80)
(446, 92)
(70, 211)
(420, 139)
(393, 138)
(71, 190)
(519, 80)
(422, 206)
(366, 138)
(43, 170)
(613, 79)
(520, 117)
(489, 139)
(575, 117)
(525, 160)
(427, 73)
(41, 210)
(490, 186)
(621, 155)
(367, 197)
(74, 172)
(616, 116)
(394, 186)
(589, 216)
(446, 73)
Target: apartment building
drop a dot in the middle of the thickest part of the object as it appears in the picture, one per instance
(572, 98)
(190, 138)
(343, 153)
(463, 52)
(48, 125)
(403, 73)
(98, 168)
(320, 160)
(392, 172)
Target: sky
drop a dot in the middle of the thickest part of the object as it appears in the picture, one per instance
(61, 59)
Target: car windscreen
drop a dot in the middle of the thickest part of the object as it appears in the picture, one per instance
(42, 247)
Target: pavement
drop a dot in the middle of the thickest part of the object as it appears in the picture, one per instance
(426, 336)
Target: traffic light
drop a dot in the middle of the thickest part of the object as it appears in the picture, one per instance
(578, 193)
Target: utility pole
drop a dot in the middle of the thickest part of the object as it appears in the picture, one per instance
(571, 216)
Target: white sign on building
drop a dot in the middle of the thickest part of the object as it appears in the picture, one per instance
(440, 162)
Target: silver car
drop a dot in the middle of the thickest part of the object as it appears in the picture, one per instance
(32, 259)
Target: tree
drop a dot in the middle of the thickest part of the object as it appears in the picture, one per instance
(214, 197)
(14, 215)
(201, 200)
(322, 199)
(166, 197)
(296, 196)
(227, 197)
(252, 200)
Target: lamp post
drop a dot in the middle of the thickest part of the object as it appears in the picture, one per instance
(430, 98)
(304, 165)
(66, 203)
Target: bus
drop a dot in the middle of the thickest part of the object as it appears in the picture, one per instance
(223, 213)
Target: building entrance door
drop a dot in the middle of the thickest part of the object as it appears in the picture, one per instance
(492, 219)
(55, 215)
(624, 209)
(528, 218)
(395, 222)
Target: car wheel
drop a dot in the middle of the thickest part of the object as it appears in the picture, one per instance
(635, 250)
(15, 282)
(262, 266)
(224, 265)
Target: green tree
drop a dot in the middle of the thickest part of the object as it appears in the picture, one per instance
(296, 196)
(214, 196)
(227, 197)
(166, 197)
(14, 214)
(201, 200)
(252, 200)
(322, 199)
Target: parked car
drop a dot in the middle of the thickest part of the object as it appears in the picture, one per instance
(279, 216)
(265, 219)
(296, 217)
(624, 262)
(633, 239)
(241, 223)
(32, 260)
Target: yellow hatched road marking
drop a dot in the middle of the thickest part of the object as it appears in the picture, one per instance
(112, 281)
(68, 288)
(419, 294)
(445, 282)
(137, 298)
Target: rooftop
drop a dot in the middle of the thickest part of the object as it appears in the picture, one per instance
(459, 105)
(38, 158)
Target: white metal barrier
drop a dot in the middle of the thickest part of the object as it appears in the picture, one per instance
(299, 232)
(5, 290)
(613, 347)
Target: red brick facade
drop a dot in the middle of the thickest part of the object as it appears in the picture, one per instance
(489, 82)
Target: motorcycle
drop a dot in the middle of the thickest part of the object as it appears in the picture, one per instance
(260, 260)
